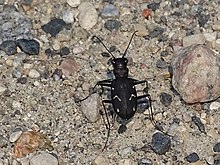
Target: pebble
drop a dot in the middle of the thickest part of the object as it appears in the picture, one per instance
(3, 141)
(141, 30)
(125, 152)
(110, 11)
(161, 63)
(195, 69)
(193, 157)
(126, 162)
(22, 80)
(34, 73)
(68, 16)
(64, 51)
(2, 89)
(31, 47)
(199, 124)
(88, 16)
(145, 161)
(100, 160)
(14, 136)
(160, 143)
(216, 147)
(57, 74)
(44, 158)
(112, 24)
(73, 3)
(165, 99)
(89, 107)
(9, 47)
(214, 105)
(54, 26)
(153, 6)
(210, 159)
(192, 39)
(68, 66)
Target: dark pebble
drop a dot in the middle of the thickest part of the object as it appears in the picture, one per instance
(105, 54)
(48, 52)
(27, 2)
(203, 19)
(199, 124)
(7, 93)
(112, 25)
(153, 6)
(216, 162)
(164, 53)
(158, 31)
(112, 48)
(64, 51)
(30, 47)
(57, 74)
(193, 157)
(165, 99)
(22, 80)
(145, 161)
(160, 143)
(161, 64)
(9, 47)
(163, 19)
(54, 26)
(216, 147)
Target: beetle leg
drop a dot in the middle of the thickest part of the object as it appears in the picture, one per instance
(104, 83)
(108, 123)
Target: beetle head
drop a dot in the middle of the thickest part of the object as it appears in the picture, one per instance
(120, 67)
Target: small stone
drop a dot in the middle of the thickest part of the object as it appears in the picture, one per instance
(44, 158)
(3, 142)
(160, 143)
(141, 30)
(54, 26)
(68, 66)
(126, 162)
(193, 157)
(125, 152)
(9, 62)
(203, 19)
(214, 105)
(28, 66)
(216, 147)
(216, 26)
(34, 73)
(31, 47)
(210, 159)
(57, 74)
(16, 73)
(88, 16)
(89, 108)
(22, 80)
(145, 161)
(199, 124)
(153, 6)
(100, 160)
(73, 3)
(2, 89)
(56, 45)
(64, 51)
(156, 32)
(9, 47)
(27, 2)
(165, 99)
(68, 16)
(196, 73)
(192, 39)
(110, 11)
(161, 64)
(112, 25)
(14, 136)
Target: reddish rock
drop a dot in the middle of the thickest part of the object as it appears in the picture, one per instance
(68, 66)
(196, 74)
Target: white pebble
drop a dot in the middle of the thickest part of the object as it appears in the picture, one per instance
(34, 73)
(2, 89)
(73, 3)
(214, 105)
(68, 16)
(15, 136)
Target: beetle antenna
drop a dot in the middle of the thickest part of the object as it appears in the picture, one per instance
(128, 44)
(105, 47)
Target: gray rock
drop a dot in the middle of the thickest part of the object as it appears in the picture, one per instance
(89, 108)
(196, 71)
(110, 11)
(68, 16)
(44, 158)
(192, 39)
(88, 16)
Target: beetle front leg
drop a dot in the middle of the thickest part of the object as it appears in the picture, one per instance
(104, 83)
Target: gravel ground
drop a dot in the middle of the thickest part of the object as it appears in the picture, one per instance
(47, 104)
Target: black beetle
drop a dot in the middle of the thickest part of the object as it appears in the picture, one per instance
(124, 97)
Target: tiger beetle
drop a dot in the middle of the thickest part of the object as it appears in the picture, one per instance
(124, 97)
